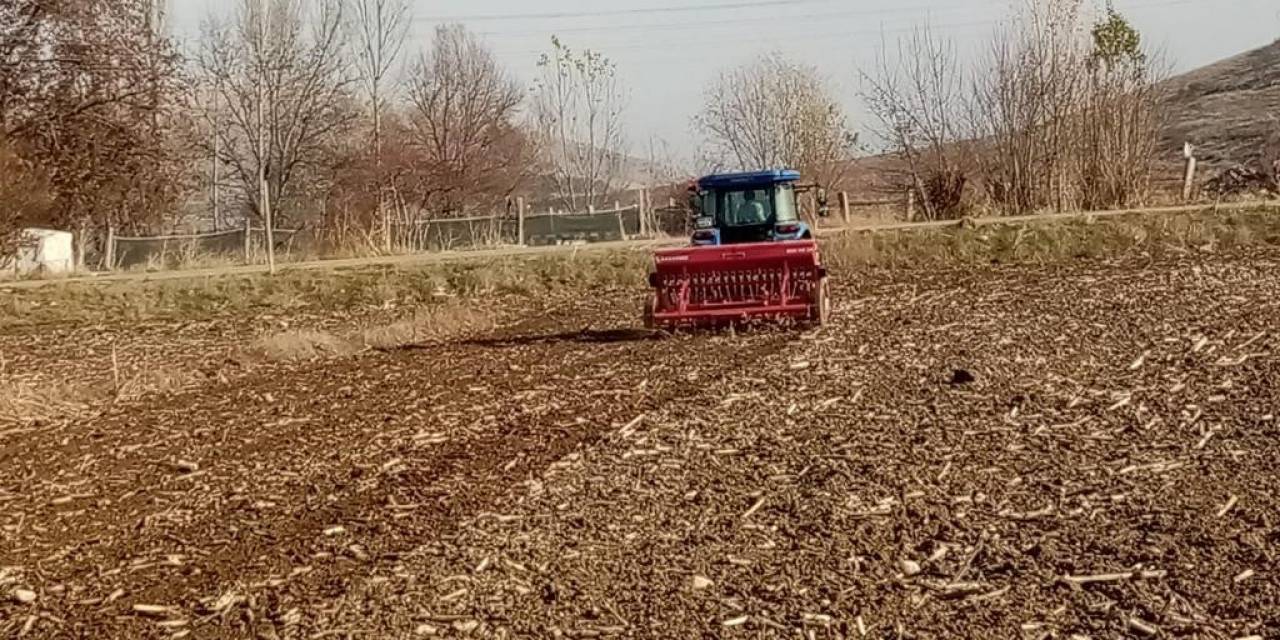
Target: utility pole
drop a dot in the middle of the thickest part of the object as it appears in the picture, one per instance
(263, 191)
(217, 174)
(155, 28)
(375, 82)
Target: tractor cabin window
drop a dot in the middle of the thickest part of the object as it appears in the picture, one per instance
(752, 207)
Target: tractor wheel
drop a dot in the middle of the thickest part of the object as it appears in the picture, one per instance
(820, 310)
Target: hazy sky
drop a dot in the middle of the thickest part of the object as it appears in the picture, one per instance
(668, 50)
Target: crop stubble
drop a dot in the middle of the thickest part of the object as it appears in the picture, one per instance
(1085, 448)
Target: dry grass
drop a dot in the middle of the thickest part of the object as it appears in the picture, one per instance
(1047, 242)
(8, 274)
(25, 403)
(22, 403)
(300, 291)
(429, 324)
(423, 286)
(426, 325)
(183, 259)
(301, 344)
(155, 380)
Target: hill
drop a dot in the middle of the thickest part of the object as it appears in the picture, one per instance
(1229, 110)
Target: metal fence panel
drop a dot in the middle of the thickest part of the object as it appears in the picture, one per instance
(172, 250)
(457, 234)
(603, 226)
(432, 235)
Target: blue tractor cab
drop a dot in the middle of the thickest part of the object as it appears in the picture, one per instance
(738, 208)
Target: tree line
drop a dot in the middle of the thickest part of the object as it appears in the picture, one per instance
(307, 112)
(1062, 112)
(322, 113)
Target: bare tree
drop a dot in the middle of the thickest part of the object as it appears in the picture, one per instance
(463, 123)
(1120, 117)
(1021, 103)
(103, 47)
(578, 106)
(380, 28)
(24, 197)
(24, 29)
(662, 166)
(1067, 115)
(84, 88)
(775, 113)
(918, 99)
(300, 75)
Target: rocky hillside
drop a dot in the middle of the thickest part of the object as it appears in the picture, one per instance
(1229, 110)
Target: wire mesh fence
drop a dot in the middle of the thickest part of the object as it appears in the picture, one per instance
(247, 244)
(163, 251)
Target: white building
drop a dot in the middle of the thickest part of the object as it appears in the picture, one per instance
(42, 251)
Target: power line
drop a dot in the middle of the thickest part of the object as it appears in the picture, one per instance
(758, 4)
(705, 24)
(638, 31)
(666, 46)
(779, 18)
(669, 56)
(843, 34)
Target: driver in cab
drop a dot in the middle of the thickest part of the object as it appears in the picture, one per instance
(751, 211)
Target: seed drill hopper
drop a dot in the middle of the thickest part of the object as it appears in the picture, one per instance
(752, 257)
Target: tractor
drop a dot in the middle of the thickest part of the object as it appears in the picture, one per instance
(751, 257)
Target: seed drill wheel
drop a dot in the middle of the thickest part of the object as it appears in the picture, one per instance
(820, 310)
(650, 307)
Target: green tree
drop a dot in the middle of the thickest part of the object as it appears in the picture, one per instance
(1120, 117)
(1117, 45)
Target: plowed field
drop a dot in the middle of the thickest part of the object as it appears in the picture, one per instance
(1081, 450)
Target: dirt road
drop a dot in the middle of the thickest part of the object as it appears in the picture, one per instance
(1012, 452)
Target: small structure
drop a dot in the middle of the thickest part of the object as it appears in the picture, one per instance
(45, 251)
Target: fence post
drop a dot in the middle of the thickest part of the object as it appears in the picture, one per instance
(650, 213)
(617, 206)
(110, 258)
(520, 221)
(844, 207)
(1189, 179)
(248, 240)
(79, 242)
(911, 205)
(650, 218)
(640, 210)
(386, 224)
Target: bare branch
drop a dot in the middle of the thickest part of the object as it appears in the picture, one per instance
(578, 107)
(774, 113)
(308, 93)
(463, 122)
